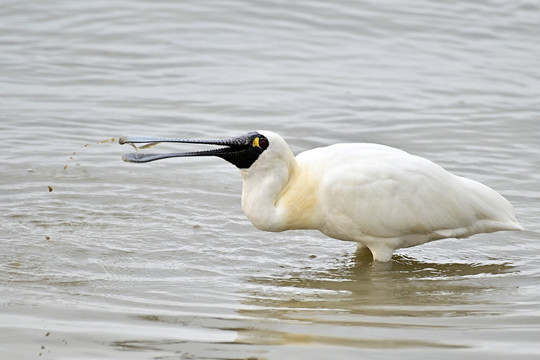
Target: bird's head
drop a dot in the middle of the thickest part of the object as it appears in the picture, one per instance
(241, 151)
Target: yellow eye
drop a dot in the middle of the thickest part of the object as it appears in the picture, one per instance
(260, 142)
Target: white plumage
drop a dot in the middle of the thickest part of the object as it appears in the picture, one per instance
(381, 197)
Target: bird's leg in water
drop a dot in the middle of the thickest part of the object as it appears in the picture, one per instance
(381, 253)
(363, 251)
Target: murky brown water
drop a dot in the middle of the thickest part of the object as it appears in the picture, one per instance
(126, 261)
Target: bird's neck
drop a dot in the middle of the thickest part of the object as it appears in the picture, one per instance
(269, 195)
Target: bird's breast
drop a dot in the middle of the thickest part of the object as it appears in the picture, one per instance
(298, 204)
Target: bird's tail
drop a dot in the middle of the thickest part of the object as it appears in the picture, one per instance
(493, 211)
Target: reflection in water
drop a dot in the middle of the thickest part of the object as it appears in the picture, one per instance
(354, 303)
(158, 261)
(371, 300)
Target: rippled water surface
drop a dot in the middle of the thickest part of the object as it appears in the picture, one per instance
(157, 261)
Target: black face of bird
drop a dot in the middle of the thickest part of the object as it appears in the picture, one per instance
(241, 151)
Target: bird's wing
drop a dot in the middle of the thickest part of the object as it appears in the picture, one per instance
(379, 192)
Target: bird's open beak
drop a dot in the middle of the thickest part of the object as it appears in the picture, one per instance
(230, 150)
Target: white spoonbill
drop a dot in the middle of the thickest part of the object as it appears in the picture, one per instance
(380, 197)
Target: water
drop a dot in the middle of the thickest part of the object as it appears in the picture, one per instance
(157, 261)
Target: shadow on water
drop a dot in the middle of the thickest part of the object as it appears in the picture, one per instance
(354, 303)
(356, 284)
(364, 297)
